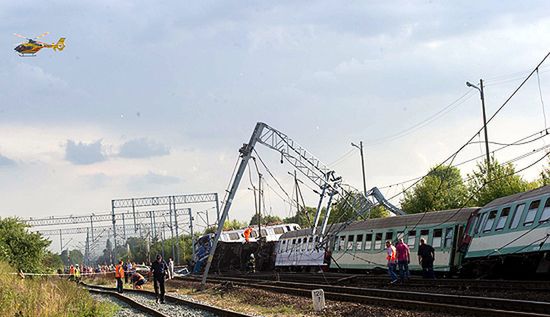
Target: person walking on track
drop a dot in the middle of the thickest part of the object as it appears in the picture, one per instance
(159, 269)
(391, 257)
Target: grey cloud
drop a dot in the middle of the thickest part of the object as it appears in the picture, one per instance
(84, 153)
(147, 181)
(4, 161)
(142, 148)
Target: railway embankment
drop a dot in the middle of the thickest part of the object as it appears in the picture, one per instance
(47, 297)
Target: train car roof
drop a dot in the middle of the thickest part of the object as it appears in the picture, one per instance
(517, 197)
(434, 217)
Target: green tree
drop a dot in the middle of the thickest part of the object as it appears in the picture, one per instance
(233, 225)
(502, 181)
(22, 249)
(304, 217)
(441, 189)
(266, 220)
(342, 211)
(52, 261)
(544, 175)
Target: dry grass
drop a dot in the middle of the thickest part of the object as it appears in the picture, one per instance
(48, 297)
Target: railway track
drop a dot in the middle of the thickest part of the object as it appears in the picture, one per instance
(382, 280)
(455, 304)
(132, 303)
(174, 306)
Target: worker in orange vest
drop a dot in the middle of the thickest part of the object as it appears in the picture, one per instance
(392, 261)
(247, 233)
(119, 275)
(71, 273)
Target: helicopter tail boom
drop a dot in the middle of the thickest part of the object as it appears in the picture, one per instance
(60, 45)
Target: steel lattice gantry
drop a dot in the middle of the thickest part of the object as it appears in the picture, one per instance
(172, 202)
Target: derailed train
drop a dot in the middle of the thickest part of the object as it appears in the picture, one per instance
(509, 237)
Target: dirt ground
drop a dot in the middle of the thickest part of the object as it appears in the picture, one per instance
(264, 303)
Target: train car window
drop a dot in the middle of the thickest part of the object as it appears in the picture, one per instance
(411, 241)
(502, 219)
(378, 241)
(389, 236)
(288, 229)
(531, 213)
(342, 241)
(254, 234)
(546, 212)
(490, 221)
(350, 242)
(482, 222)
(424, 235)
(283, 247)
(436, 240)
(264, 233)
(233, 236)
(517, 216)
(449, 237)
(359, 242)
(278, 230)
(477, 222)
(368, 241)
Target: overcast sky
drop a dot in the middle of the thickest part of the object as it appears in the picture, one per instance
(156, 98)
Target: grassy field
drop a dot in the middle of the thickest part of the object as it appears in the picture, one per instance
(46, 297)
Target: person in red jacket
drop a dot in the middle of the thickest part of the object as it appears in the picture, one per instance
(403, 259)
(247, 233)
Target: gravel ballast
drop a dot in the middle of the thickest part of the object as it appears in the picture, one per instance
(125, 309)
(168, 308)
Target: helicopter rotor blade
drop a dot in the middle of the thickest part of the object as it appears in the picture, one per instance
(21, 36)
(42, 35)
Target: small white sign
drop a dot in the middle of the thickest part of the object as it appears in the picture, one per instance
(318, 296)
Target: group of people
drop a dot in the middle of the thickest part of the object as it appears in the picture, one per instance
(399, 257)
(160, 271)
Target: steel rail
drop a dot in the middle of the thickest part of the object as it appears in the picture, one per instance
(127, 300)
(472, 305)
(180, 301)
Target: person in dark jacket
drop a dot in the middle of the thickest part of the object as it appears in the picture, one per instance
(159, 268)
(426, 257)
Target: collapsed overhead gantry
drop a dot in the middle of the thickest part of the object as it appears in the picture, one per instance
(329, 183)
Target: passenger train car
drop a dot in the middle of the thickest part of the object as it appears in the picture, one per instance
(271, 233)
(512, 234)
(361, 245)
(233, 254)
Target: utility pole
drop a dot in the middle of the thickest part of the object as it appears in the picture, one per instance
(360, 147)
(259, 205)
(172, 233)
(192, 235)
(482, 96)
(114, 221)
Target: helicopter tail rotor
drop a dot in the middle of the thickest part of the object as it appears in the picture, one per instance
(60, 45)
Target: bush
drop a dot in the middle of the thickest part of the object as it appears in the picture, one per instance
(47, 296)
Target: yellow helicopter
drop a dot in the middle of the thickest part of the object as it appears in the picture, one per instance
(32, 46)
